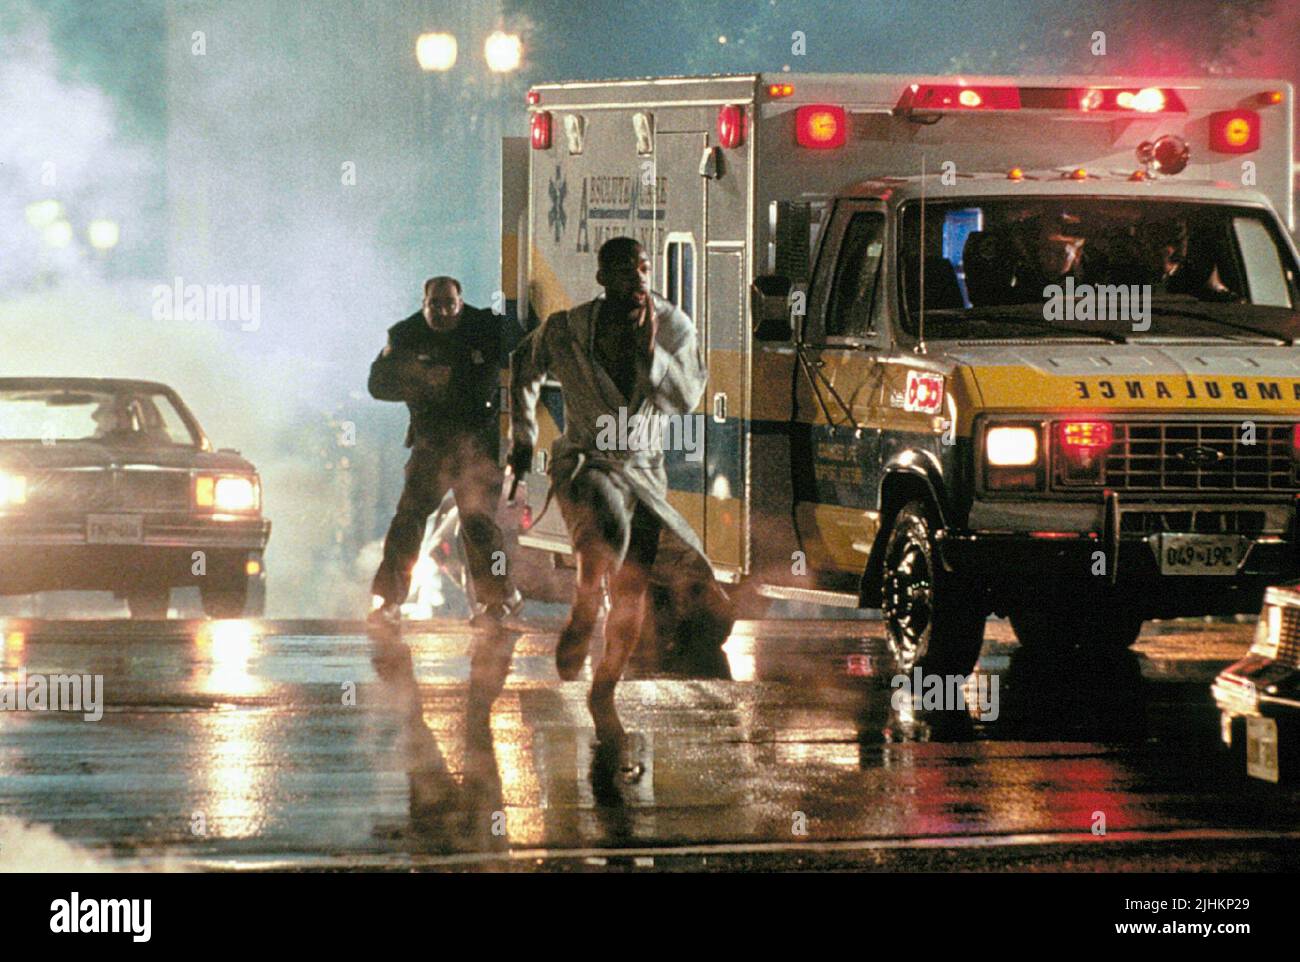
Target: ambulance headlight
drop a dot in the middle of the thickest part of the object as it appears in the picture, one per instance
(1012, 458)
(1011, 447)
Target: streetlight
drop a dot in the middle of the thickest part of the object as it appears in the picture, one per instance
(58, 234)
(103, 234)
(503, 51)
(436, 51)
(42, 213)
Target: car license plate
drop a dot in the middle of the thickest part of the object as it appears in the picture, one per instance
(114, 529)
(1261, 749)
(1199, 554)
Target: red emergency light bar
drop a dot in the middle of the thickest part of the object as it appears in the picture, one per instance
(936, 98)
(929, 97)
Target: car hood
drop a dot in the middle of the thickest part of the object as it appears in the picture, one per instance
(1139, 377)
(64, 455)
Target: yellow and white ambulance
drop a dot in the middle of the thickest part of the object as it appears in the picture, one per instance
(1021, 346)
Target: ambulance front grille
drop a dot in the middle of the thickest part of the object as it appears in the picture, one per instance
(1288, 644)
(1200, 456)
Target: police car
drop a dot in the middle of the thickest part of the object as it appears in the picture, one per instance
(112, 485)
(1259, 696)
(1021, 346)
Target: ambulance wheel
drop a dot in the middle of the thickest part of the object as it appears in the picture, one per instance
(1048, 627)
(748, 604)
(931, 618)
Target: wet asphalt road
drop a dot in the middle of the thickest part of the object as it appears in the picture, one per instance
(237, 745)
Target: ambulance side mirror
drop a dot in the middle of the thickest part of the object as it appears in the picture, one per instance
(769, 307)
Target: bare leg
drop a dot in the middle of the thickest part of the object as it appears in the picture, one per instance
(622, 630)
(571, 651)
(628, 593)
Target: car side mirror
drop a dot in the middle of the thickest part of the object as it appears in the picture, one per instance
(769, 307)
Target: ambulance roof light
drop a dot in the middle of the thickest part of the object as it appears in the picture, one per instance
(958, 96)
(1234, 131)
(1079, 173)
(820, 126)
(534, 97)
(1015, 173)
(780, 90)
(539, 130)
(731, 126)
(1164, 155)
(1271, 97)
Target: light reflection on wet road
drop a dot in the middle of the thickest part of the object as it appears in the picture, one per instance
(232, 744)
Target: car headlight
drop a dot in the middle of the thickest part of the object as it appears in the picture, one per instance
(227, 492)
(1268, 632)
(13, 489)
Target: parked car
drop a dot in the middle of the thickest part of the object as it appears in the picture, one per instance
(1259, 696)
(110, 484)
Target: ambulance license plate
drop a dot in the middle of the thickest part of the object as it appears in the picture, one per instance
(114, 529)
(1261, 749)
(1199, 554)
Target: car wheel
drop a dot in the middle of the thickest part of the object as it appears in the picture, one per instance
(225, 600)
(1047, 626)
(931, 618)
(149, 603)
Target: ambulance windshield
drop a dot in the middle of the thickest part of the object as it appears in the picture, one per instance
(1051, 266)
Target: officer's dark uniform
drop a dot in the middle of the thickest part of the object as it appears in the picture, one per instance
(453, 439)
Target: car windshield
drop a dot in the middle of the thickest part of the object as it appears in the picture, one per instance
(62, 413)
(1116, 269)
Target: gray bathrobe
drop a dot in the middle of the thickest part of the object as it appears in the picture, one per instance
(671, 383)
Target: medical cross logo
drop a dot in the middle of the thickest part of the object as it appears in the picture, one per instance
(556, 219)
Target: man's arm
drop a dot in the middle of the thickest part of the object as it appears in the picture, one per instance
(685, 375)
(529, 364)
(398, 374)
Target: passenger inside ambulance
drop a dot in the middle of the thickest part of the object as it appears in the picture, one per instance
(1208, 270)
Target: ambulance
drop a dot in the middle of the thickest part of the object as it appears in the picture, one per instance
(1020, 346)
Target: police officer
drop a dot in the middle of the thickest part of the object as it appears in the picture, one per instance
(443, 362)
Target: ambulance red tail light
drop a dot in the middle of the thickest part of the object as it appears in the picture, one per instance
(820, 127)
(540, 130)
(731, 126)
(1234, 131)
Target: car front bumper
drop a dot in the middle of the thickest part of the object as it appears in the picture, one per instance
(48, 554)
(169, 531)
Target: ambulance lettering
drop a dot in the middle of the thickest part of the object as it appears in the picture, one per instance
(1107, 390)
